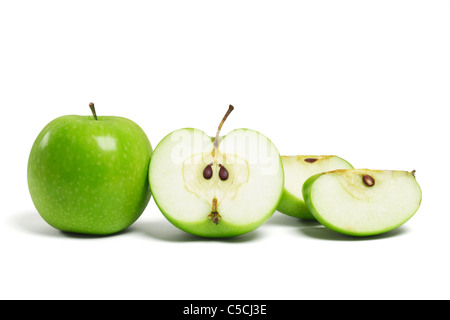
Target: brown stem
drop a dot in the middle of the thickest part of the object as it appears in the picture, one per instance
(91, 105)
(216, 140)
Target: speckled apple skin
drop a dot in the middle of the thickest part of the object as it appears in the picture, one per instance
(90, 176)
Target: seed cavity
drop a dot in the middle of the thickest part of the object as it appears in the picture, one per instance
(208, 172)
(310, 160)
(223, 173)
(368, 180)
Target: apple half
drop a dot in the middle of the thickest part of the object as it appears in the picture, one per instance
(362, 202)
(216, 186)
(297, 169)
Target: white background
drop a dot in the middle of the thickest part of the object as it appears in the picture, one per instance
(366, 80)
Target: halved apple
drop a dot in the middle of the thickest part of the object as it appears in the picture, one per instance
(216, 187)
(296, 170)
(362, 202)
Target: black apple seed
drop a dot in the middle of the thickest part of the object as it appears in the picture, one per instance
(207, 172)
(223, 173)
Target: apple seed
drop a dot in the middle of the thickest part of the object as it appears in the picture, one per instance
(310, 160)
(368, 180)
(223, 173)
(207, 172)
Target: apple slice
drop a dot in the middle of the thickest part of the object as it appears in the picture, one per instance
(216, 187)
(296, 170)
(362, 202)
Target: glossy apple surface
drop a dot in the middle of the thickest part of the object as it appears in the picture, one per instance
(90, 176)
(362, 202)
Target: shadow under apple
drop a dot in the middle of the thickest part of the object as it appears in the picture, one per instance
(163, 230)
(314, 229)
(324, 233)
(280, 219)
(32, 222)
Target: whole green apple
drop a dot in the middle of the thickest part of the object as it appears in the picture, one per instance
(89, 174)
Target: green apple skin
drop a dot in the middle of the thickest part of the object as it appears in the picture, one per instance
(90, 176)
(306, 190)
(295, 206)
(206, 228)
(292, 206)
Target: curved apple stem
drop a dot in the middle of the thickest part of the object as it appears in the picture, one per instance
(216, 140)
(91, 105)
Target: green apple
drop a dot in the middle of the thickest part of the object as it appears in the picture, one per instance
(89, 174)
(296, 170)
(216, 186)
(362, 202)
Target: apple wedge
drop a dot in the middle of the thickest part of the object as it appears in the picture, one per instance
(216, 186)
(297, 169)
(362, 202)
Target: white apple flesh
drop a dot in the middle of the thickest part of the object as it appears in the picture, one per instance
(297, 169)
(187, 187)
(362, 202)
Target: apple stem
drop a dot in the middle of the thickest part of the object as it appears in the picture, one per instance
(91, 105)
(216, 140)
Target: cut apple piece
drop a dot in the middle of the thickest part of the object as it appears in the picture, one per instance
(362, 202)
(297, 169)
(216, 187)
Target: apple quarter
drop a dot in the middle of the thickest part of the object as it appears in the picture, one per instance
(362, 202)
